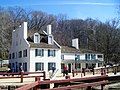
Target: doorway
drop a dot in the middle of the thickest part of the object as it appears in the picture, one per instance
(69, 68)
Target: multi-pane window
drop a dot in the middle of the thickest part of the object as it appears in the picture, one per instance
(16, 43)
(9, 56)
(20, 67)
(50, 39)
(25, 53)
(39, 66)
(87, 56)
(10, 65)
(16, 67)
(50, 65)
(25, 66)
(93, 56)
(36, 38)
(77, 57)
(39, 52)
(100, 56)
(13, 55)
(13, 65)
(79, 65)
(51, 53)
(62, 57)
(16, 55)
(20, 54)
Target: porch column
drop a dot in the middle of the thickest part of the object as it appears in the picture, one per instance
(83, 65)
(96, 66)
(73, 66)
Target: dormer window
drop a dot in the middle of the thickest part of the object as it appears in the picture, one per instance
(87, 56)
(50, 39)
(36, 38)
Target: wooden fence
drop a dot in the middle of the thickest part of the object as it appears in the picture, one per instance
(67, 84)
(23, 75)
(103, 70)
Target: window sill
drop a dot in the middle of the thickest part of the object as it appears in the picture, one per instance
(51, 56)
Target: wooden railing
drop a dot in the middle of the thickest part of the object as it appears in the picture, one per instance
(103, 70)
(66, 84)
(22, 75)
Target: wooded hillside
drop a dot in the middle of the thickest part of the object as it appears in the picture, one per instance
(93, 34)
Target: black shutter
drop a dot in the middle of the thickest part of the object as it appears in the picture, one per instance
(36, 50)
(48, 53)
(42, 52)
(54, 53)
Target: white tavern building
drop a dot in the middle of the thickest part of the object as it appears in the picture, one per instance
(37, 52)
(40, 52)
(76, 58)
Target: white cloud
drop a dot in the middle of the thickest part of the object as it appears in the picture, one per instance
(77, 3)
(89, 3)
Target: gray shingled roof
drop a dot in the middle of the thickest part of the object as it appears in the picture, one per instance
(69, 49)
(88, 51)
(43, 41)
(82, 61)
(43, 45)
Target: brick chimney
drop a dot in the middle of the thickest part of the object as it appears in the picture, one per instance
(75, 43)
(24, 28)
(50, 36)
(49, 29)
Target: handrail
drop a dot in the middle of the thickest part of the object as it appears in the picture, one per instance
(100, 80)
(78, 86)
(74, 80)
(28, 86)
(54, 74)
(22, 75)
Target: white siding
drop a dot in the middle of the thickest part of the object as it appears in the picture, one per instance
(101, 59)
(82, 56)
(19, 43)
(69, 56)
(45, 59)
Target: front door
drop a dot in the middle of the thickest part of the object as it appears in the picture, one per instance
(69, 68)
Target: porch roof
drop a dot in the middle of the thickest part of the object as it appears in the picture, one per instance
(69, 49)
(82, 61)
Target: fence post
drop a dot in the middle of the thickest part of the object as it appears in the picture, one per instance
(9, 88)
(89, 88)
(73, 73)
(104, 71)
(21, 76)
(102, 86)
(84, 71)
(93, 71)
(67, 77)
(115, 69)
(44, 75)
(101, 71)
(107, 70)
(36, 79)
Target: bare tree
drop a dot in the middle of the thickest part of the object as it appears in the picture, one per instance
(39, 20)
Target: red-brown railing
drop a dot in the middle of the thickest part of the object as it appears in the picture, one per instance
(87, 82)
(102, 70)
(22, 75)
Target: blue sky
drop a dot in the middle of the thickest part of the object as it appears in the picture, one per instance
(96, 9)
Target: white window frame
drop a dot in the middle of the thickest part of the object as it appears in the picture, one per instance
(41, 68)
(51, 53)
(39, 52)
